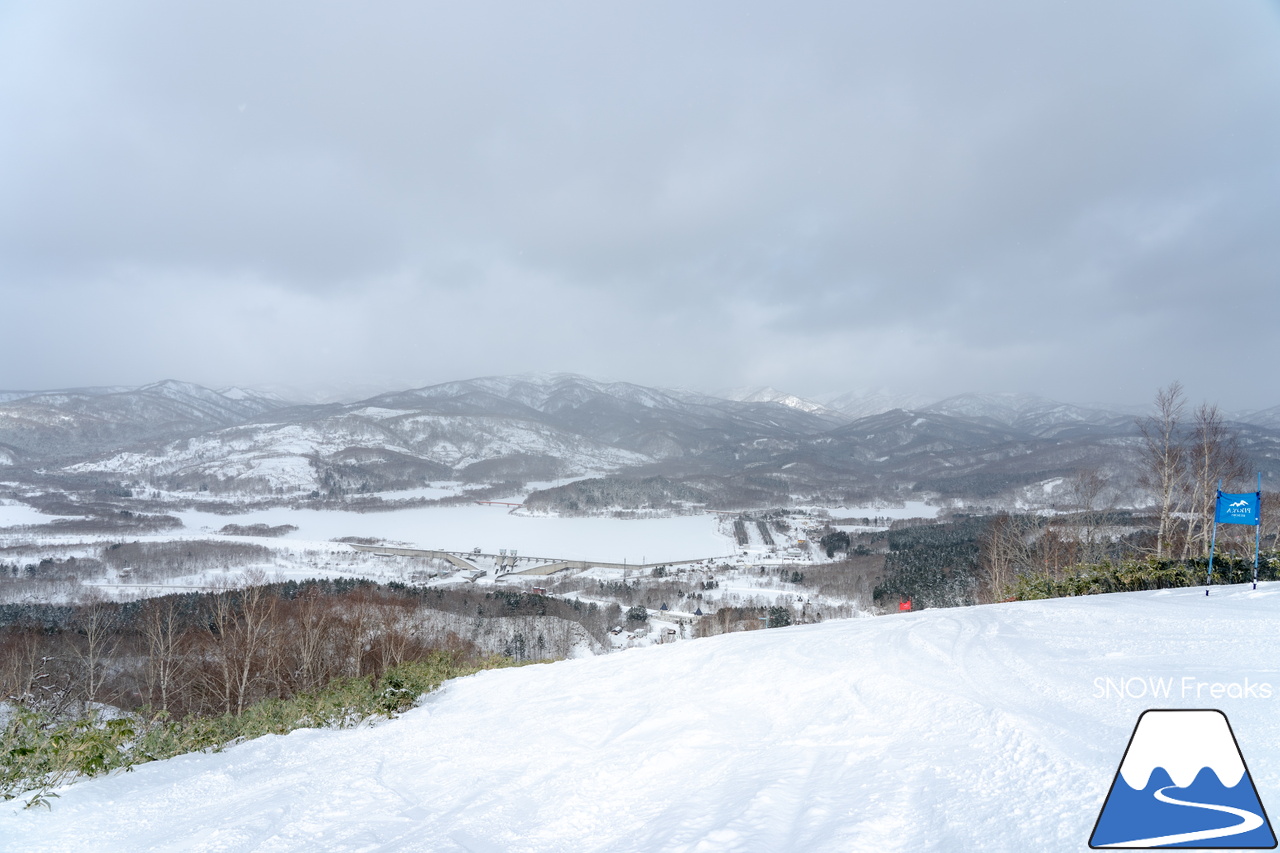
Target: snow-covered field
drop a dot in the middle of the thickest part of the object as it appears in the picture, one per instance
(13, 514)
(492, 528)
(985, 728)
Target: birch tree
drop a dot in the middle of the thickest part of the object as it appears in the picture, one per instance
(1164, 456)
(162, 629)
(1005, 550)
(1085, 491)
(93, 642)
(1213, 456)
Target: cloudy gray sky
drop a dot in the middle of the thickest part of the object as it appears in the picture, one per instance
(1077, 199)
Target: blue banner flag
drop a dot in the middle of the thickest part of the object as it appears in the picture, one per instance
(1244, 508)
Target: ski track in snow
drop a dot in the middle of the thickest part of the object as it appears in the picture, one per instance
(945, 730)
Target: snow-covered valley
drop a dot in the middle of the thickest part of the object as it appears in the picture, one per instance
(642, 538)
(985, 728)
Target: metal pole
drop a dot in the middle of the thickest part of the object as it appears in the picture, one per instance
(1257, 533)
(1213, 543)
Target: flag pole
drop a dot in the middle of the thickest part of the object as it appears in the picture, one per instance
(1257, 533)
(1213, 543)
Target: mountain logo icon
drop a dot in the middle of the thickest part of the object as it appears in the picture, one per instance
(1183, 783)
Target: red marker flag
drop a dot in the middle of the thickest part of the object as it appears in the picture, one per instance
(904, 605)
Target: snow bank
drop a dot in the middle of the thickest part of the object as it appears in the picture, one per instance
(986, 728)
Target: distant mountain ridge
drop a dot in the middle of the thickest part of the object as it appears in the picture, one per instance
(767, 446)
(1023, 411)
(769, 394)
(52, 425)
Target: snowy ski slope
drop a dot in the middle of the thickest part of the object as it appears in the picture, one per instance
(985, 728)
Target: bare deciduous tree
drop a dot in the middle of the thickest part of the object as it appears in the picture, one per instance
(1213, 456)
(1005, 550)
(1086, 491)
(91, 645)
(162, 631)
(1164, 459)
(310, 635)
(358, 612)
(22, 664)
(241, 623)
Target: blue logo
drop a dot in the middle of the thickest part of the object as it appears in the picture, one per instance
(1243, 508)
(1183, 783)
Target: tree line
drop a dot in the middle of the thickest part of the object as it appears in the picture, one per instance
(1183, 458)
(220, 652)
(1183, 455)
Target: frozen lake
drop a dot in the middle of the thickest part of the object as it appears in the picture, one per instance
(16, 514)
(491, 528)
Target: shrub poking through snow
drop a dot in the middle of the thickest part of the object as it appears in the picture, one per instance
(41, 750)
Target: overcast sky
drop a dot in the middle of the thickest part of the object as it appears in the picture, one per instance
(1075, 199)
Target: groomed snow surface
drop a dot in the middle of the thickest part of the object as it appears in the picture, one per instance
(985, 728)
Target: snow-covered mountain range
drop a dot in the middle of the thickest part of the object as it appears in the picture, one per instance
(764, 445)
(50, 425)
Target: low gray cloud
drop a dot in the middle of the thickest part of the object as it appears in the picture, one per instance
(1079, 200)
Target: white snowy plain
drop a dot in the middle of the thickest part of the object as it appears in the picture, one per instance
(493, 527)
(980, 728)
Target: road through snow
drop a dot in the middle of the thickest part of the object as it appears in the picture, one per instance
(971, 729)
